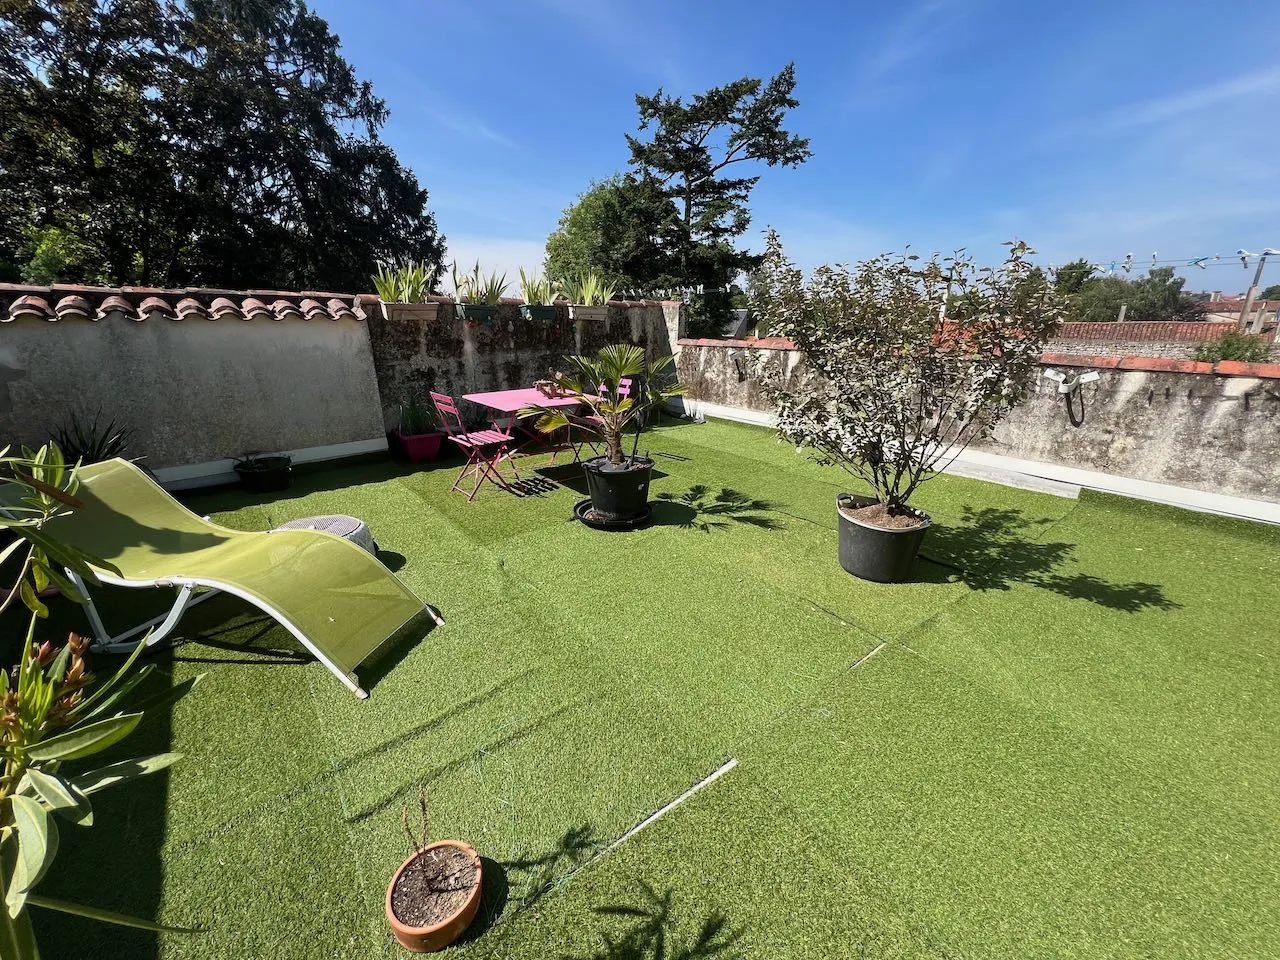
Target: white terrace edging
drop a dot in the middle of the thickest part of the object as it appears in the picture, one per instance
(213, 473)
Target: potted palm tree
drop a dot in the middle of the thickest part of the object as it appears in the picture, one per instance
(905, 362)
(403, 290)
(418, 434)
(617, 482)
(477, 296)
(540, 296)
(589, 295)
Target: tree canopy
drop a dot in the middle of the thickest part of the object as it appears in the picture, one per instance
(1156, 296)
(1270, 293)
(673, 220)
(622, 228)
(222, 143)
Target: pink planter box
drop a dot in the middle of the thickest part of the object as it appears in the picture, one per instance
(420, 447)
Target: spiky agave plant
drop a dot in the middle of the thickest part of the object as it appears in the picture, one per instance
(538, 291)
(596, 383)
(589, 289)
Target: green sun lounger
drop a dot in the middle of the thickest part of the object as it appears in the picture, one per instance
(333, 596)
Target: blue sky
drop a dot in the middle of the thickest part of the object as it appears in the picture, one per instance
(1090, 129)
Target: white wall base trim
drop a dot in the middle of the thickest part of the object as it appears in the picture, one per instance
(1048, 477)
(215, 472)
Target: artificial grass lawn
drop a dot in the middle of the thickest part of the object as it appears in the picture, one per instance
(1063, 745)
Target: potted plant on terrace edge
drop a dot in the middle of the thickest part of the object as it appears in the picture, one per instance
(906, 362)
(589, 295)
(618, 483)
(540, 296)
(403, 290)
(265, 473)
(477, 296)
(434, 895)
(418, 435)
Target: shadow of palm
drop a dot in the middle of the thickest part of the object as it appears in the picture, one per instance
(653, 932)
(706, 512)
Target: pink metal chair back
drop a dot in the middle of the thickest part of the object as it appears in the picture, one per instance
(624, 387)
(448, 409)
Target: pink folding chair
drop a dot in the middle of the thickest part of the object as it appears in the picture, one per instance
(485, 449)
(624, 390)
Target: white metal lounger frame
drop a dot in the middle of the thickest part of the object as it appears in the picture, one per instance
(187, 597)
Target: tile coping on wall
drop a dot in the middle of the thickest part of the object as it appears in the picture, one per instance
(69, 301)
(1223, 368)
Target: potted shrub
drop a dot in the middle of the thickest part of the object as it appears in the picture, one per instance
(262, 473)
(589, 295)
(540, 295)
(477, 296)
(418, 434)
(434, 895)
(617, 482)
(403, 291)
(905, 362)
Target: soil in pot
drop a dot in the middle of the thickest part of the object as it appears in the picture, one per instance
(879, 515)
(434, 896)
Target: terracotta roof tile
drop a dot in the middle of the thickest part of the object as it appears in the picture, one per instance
(154, 305)
(312, 310)
(284, 310)
(74, 306)
(224, 309)
(340, 310)
(31, 306)
(194, 303)
(117, 304)
(189, 308)
(255, 309)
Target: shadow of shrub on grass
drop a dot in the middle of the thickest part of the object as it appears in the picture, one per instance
(653, 932)
(993, 548)
(698, 509)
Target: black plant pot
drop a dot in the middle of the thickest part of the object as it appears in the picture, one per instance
(877, 553)
(618, 492)
(266, 475)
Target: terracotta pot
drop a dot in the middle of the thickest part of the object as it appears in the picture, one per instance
(439, 935)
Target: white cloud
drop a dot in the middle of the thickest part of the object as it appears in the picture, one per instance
(1173, 106)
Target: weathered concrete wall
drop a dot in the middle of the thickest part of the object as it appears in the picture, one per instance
(1198, 430)
(452, 356)
(192, 391)
(1208, 427)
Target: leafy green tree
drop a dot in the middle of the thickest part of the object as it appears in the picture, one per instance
(214, 142)
(1070, 277)
(691, 151)
(1157, 296)
(621, 228)
(1270, 293)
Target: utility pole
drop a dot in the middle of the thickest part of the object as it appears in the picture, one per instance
(1243, 322)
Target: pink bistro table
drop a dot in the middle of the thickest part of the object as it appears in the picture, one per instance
(511, 402)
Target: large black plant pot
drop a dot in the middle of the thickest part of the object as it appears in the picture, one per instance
(266, 474)
(877, 553)
(618, 492)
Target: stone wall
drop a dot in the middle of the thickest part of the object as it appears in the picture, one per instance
(1213, 427)
(453, 356)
